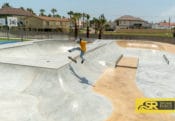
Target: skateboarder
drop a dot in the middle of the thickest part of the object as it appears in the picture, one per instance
(82, 49)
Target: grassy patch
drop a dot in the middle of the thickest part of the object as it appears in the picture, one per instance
(142, 32)
(12, 39)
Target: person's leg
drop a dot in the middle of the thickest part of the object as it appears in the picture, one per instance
(82, 57)
(73, 49)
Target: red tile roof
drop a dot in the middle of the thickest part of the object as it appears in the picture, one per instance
(15, 11)
(21, 12)
(46, 18)
(130, 18)
(166, 24)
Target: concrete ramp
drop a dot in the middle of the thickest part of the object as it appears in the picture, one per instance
(31, 93)
(36, 49)
(128, 62)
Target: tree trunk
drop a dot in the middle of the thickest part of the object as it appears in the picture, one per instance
(76, 30)
(100, 34)
(87, 32)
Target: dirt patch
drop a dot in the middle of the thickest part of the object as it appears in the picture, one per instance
(141, 44)
(118, 85)
(168, 47)
(147, 45)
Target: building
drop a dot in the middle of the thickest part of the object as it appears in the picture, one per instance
(53, 23)
(29, 21)
(127, 21)
(163, 25)
(17, 13)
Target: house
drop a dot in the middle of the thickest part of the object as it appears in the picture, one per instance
(163, 25)
(127, 21)
(54, 23)
(18, 13)
(29, 21)
(110, 26)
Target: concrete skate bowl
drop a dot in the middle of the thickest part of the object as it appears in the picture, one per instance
(141, 44)
(31, 90)
(154, 75)
(33, 49)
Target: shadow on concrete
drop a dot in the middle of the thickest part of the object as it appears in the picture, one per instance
(83, 80)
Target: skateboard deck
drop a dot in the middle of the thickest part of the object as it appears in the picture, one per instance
(72, 59)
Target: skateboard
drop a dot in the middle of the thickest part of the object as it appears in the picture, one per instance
(72, 59)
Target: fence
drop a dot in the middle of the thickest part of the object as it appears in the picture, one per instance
(25, 34)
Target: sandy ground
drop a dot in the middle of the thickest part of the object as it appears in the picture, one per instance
(147, 45)
(118, 85)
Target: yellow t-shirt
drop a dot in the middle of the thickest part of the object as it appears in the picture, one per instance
(83, 45)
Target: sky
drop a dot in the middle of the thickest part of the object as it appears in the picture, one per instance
(149, 10)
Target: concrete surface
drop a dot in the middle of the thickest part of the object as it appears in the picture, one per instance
(118, 85)
(39, 83)
(31, 90)
(44, 53)
(155, 78)
(128, 62)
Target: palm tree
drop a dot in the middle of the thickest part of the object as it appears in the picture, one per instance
(42, 11)
(53, 10)
(49, 15)
(76, 20)
(22, 8)
(87, 23)
(101, 25)
(58, 16)
(83, 16)
(6, 5)
(70, 13)
(94, 22)
(30, 10)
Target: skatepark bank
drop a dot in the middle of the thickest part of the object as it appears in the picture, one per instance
(39, 82)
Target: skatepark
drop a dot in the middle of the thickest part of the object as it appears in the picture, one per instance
(39, 83)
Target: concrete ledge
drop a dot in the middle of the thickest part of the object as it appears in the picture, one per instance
(128, 62)
(166, 59)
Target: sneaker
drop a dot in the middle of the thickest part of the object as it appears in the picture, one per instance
(82, 61)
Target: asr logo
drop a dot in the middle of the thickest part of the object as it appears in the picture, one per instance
(149, 105)
(155, 105)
